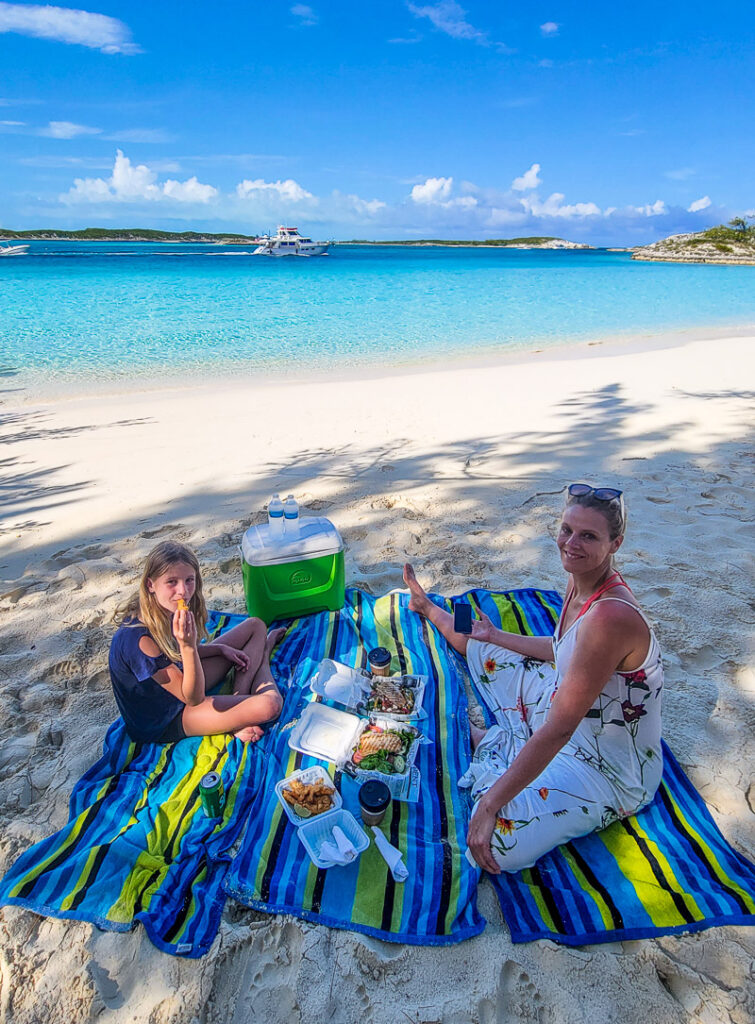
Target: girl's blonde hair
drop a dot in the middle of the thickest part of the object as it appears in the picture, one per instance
(143, 604)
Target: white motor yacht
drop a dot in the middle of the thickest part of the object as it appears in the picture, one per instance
(13, 250)
(288, 242)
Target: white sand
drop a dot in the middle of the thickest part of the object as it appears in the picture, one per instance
(461, 472)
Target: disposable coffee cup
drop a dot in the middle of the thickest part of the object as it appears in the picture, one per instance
(374, 798)
(380, 661)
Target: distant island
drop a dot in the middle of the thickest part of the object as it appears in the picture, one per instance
(231, 238)
(727, 243)
(531, 242)
(126, 235)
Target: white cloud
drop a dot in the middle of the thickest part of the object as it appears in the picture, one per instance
(555, 207)
(449, 17)
(528, 180)
(655, 209)
(305, 13)
(434, 190)
(699, 204)
(130, 184)
(97, 31)
(288, 191)
(369, 207)
(550, 28)
(13, 124)
(67, 130)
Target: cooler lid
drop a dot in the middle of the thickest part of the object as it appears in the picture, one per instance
(317, 536)
(326, 733)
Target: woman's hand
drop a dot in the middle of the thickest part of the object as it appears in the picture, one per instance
(478, 837)
(483, 629)
(237, 658)
(185, 629)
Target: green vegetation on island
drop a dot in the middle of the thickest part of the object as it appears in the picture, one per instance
(544, 241)
(726, 243)
(125, 235)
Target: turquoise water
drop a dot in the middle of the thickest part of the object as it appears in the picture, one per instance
(94, 310)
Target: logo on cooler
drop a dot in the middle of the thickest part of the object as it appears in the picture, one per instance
(299, 578)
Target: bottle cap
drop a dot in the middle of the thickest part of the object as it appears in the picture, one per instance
(374, 796)
(379, 657)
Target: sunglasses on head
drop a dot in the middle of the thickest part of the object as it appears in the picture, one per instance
(601, 493)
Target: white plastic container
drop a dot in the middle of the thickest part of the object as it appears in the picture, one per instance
(319, 830)
(307, 776)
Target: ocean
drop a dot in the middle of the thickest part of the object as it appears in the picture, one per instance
(107, 310)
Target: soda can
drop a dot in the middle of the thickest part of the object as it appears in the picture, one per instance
(211, 794)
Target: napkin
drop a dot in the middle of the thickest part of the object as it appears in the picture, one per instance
(342, 851)
(391, 856)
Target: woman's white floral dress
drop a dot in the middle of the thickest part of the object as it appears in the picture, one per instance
(609, 768)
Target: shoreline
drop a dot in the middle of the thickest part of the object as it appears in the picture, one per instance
(62, 387)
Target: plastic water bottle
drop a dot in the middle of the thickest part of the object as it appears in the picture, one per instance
(291, 516)
(275, 516)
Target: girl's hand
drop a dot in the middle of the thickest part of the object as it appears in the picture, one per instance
(237, 658)
(483, 629)
(185, 629)
(478, 838)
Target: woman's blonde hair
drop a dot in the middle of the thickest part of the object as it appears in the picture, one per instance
(143, 604)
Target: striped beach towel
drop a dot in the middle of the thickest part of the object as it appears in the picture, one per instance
(138, 846)
(664, 870)
(272, 871)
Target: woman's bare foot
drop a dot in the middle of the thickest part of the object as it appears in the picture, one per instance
(476, 735)
(250, 734)
(419, 601)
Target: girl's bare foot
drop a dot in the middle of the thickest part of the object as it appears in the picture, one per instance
(250, 734)
(274, 637)
(419, 601)
(476, 735)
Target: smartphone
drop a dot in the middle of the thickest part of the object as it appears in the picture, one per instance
(463, 618)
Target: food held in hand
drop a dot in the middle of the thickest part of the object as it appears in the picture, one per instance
(182, 605)
(391, 698)
(383, 750)
(308, 799)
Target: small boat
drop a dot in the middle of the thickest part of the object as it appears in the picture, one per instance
(13, 250)
(288, 242)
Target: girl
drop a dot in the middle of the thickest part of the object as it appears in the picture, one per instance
(577, 739)
(160, 672)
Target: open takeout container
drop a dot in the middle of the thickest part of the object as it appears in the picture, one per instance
(319, 830)
(333, 735)
(353, 687)
(307, 776)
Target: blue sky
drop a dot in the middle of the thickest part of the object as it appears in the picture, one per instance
(611, 124)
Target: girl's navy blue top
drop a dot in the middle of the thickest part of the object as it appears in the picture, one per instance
(146, 706)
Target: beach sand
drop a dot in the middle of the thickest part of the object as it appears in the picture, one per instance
(461, 472)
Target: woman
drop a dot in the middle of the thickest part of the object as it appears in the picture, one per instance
(577, 739)
(161, 672)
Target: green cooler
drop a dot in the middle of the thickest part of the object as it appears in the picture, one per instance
(289, 576)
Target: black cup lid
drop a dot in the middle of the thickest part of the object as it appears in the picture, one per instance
(374, 795)
(379, 656)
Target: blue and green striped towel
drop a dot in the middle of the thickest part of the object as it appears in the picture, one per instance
(437, 904)
(667, 869)
(138, 846)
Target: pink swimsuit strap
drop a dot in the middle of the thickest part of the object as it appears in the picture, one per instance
(614, 580)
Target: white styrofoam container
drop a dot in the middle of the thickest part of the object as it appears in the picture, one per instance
(307, 776)
(325, 732)
(319, 830)
(351, 687)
